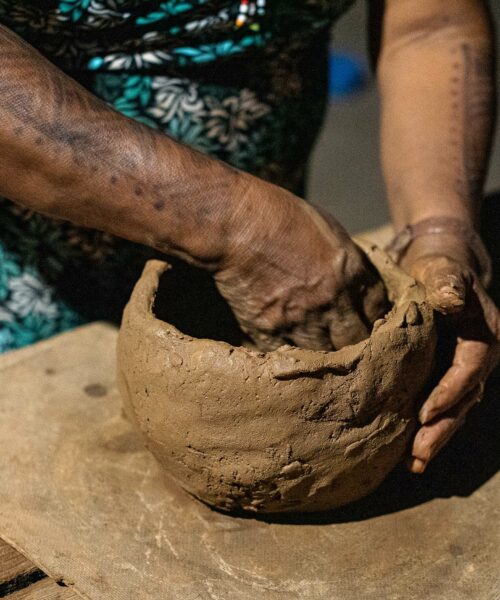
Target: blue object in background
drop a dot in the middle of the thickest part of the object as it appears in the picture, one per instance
(346, 75)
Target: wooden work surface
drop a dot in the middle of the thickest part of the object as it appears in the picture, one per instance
(20, 579)
(89, 506)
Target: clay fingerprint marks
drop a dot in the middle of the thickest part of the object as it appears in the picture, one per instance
(289, 366)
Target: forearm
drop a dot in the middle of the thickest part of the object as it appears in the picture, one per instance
(436, 77)
(65, 153)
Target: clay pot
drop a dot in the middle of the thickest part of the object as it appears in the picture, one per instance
(287, 430)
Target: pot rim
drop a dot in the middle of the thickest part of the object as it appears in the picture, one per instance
(401, 290)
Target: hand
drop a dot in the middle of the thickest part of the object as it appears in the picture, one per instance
(473, 321)
(294, 277)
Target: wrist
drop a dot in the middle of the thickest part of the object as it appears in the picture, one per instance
(442, 236)
(261, 213)
(268, 218)
(195, 211)
(442, 244)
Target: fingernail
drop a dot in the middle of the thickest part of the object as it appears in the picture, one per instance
(454, 295)
(418, 466)
(424, 416)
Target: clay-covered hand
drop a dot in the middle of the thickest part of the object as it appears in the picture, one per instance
(295, 277)
(446, 268)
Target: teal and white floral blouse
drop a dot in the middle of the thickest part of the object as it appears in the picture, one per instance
(242, 80)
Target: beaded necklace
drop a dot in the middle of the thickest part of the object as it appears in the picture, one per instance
(248, 11)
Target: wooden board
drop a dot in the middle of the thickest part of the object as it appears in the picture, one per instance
(22, 579)
(88, 505)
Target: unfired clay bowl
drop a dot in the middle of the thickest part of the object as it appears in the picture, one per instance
(287, 430)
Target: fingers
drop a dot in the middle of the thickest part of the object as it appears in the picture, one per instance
(375, 303)
(445, 282)
(359, 304)
(490, 312)
(345, 324)
(452, 288)
(467, 370)
(433, 436)
(312, 336)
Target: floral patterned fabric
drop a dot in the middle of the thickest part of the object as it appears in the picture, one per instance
(252, 96)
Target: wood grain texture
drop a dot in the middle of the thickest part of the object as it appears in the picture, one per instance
(47, 589)
(12, 563)
(22, 579)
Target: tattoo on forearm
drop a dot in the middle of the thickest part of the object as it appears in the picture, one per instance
(53, 110)
(472, 107)
(69, 116)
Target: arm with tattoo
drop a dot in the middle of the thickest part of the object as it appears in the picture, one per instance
(435, 74)
(65, 153)
(436, 79)
(288, 275)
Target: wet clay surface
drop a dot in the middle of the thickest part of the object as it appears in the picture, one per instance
(289, 430)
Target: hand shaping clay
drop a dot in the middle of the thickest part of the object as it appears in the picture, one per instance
(288, 430)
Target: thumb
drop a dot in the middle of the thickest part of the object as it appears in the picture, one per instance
(445, 281)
